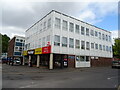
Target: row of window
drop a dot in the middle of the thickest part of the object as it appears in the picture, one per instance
(20, 40)
(19, 48)
(77, 44)
(42, 27)
(84, 30)
(40, 43)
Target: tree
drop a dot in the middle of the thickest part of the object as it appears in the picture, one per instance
(116, 48)
(5, 40)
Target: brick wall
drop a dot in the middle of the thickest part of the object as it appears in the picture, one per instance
(11, 47)
(101, 62)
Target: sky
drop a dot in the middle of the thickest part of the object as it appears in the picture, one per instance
(18, 15)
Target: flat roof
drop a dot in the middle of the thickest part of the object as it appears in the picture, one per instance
(69, 17)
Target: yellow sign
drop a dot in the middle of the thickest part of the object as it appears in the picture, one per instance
(24, 53)
(38, 51)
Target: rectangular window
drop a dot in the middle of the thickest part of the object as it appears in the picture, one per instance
(103, 36)
(96, 46)
(104, 47)
(44, 25)
(110, 49)
(49, 23)
(71, 42)
(39, 42)
(48, 39)
(71, 27)
(100, 47)
(99, 35)
(64, 41)
(17, 39)
(57, 23)
(87, 46)
(92, 33)
(82, 58)
(18, 44)
(106, 37)
(92, 45)
(16, 48)
(96, 33)
(87, 32)
(43, 41)
(65, 25)
(109, 38)
(87, 58)
(57, 40)
(82, 44)
(77, 29)
(82, 30)
(77, 44)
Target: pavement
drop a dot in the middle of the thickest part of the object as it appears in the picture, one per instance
(32, 77)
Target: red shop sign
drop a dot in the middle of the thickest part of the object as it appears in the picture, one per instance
(46, 50)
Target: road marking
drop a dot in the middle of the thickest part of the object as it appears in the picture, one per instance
(108, 78)
(28, 86)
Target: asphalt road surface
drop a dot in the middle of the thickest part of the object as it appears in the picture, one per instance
(32, 77)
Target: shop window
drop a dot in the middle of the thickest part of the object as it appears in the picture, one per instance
(65, 25)
(71, 27)
(57, 40)
(77, 44)
(82, 30)
(57, 23)
(77, 58)
(87, 46)
(87, 58)
(82, 44)
(77, 29)
(71, 42)
(87, 32)
(82, 58)
(64, 41)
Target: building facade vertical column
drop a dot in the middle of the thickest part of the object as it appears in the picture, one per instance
(38, 60)
(23, 63)
(29, 60)
(51, 61)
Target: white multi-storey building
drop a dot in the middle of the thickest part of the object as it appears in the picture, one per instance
(72, 42)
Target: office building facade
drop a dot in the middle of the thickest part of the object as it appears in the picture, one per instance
(59, 40)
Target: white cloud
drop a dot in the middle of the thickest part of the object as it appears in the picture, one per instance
(11, 31)
(114, 35)
(22, 14)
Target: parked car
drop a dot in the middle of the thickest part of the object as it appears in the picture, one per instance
(16, 62)
(116, 64)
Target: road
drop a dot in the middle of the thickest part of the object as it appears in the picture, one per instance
(32, 77)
